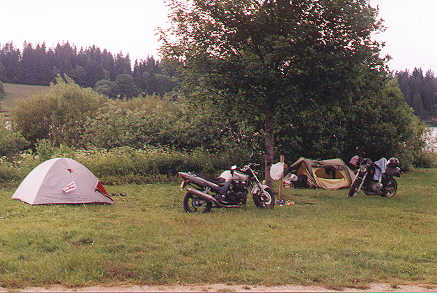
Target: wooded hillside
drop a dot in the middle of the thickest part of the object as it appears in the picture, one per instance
(39, 65)
(420, 91)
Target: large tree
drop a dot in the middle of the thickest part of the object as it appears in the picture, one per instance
(260, 57)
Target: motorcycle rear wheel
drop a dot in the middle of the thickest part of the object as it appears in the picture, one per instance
(390, 189)
(194, 204)
(267, 202)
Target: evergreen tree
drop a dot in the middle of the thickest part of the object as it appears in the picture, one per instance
(10, 58)
(420, 91)
(37, 64)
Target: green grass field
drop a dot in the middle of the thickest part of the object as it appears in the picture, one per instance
(18, 91)
(325, 239)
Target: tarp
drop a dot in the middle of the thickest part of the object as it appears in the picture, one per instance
(327, 174)
(61, 181)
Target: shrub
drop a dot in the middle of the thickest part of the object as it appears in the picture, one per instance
(11, 142)
(13, 170)
(125, 86)
(45, 150)
(426, 160)
(9, 174)
(132, 123)
(158, 122)
(105, 87)
(2, 90)
(151, 165)
(123, 165)
(58, 115)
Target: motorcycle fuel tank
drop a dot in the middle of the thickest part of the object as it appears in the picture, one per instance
(227, 175)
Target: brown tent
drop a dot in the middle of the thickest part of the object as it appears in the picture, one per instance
(327, 174)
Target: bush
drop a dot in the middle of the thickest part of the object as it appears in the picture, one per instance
(58, 115)
(45, 150)
(2, 90)
(105, 87)
(13, 170)
(124, 165)
(11, 142)
(9, 174)
(426, 160)
(154, 121)
(151, 165)
(133, 123)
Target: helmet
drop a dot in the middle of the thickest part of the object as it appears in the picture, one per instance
(393, 162)
(354, 161)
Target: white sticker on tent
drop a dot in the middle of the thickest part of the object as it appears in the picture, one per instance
(70, 187)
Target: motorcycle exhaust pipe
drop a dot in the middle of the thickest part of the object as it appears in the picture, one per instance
(204, 196)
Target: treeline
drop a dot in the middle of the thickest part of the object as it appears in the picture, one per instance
(89, 67)
(420, 91)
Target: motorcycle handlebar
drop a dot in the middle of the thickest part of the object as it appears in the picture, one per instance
(251, 165)
(248, 166)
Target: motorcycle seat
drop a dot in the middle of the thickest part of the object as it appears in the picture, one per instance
(219, 181)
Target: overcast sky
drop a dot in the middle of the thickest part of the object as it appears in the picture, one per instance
(129, 26)
(410, 36)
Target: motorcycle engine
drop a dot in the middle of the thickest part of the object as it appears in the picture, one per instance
(374, 187)
(237, 192)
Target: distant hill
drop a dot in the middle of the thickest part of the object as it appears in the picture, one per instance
(18, 91)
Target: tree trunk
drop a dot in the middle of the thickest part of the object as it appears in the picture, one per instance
(269, 145)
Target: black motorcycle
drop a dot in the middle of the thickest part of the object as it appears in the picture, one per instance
(364, 179)
(229, 190)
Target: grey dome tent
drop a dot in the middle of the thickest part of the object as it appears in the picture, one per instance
(61, 181)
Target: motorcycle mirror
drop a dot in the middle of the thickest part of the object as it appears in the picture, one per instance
(233, 168)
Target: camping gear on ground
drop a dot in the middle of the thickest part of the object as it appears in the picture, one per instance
(282, 203)
(368, 180)
(61, 181)
(328, 174)
(290, 180)
(229, 190)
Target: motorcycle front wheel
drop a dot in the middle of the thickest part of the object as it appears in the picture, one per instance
(353, 191)
(194, 204)
(355, 187)
(390, 189)
(264, 200)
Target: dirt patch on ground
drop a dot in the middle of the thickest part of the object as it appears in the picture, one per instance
(231, 288)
